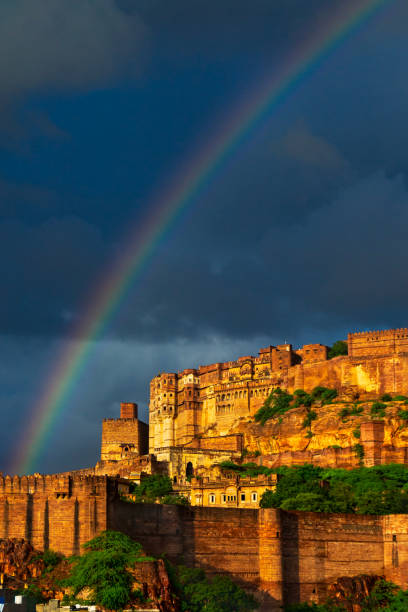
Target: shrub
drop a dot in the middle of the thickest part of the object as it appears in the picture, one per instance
(357, 432)
(323, 394)
(400, 398)
(197, 593)
(378, 409)
(359, 451)
(344, 413)
(403, 414)
(175, 500)
(356, 409)
(152, 487)
(302, 399)
(339, 348)
(386, 397)
(277, 403)
(310, 416)
(50, 559)
(246, 469)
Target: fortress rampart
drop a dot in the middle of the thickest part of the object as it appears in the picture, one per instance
(286, 557)
(60, 512)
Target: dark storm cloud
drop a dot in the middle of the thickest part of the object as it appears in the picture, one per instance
(54, 45)
(64, 43)
(45, 269)
(323, 251)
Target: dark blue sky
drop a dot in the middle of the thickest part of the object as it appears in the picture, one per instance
(301, 235)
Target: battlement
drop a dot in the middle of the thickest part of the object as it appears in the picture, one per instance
(51, 483)
(400, 332)
(379, 342)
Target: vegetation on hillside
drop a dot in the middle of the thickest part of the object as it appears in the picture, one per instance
(380, 489)
(278, 402)
(156, 488)
(384, 597)
(197, 593)
(245, 469)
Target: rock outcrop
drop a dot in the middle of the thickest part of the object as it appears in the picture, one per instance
(22, 565)
(350, 592)
(19, 562)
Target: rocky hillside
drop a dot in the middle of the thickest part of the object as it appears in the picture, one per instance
(335, 426)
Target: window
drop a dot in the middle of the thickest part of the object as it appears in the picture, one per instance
(242, 496)
(212, 498)
(254, 497)
(224, 498)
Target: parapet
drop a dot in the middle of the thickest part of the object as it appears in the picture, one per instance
(48, 483)
(378, 343)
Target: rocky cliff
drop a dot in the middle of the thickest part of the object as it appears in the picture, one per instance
(332, 438)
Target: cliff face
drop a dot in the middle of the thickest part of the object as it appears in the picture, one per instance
(331, 438)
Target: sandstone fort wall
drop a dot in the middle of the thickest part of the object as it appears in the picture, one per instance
(283, 556)
(59, 512)
(287, 557)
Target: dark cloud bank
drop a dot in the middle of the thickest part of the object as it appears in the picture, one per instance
(300, 237)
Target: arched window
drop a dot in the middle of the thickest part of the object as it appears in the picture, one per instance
(189, 470)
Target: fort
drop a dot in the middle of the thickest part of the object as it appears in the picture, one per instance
(199, 420)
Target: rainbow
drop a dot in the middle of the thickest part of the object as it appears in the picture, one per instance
(165, 210)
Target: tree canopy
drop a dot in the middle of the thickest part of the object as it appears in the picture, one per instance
(380, 489)
(199, 594)
(103, 569)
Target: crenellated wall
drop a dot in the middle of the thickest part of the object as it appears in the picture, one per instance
(284, 557)
(60, 512)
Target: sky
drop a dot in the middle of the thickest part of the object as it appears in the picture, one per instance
(300, 235)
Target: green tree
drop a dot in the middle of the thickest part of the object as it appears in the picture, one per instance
(152, 487)
(339, 348)
(381, 489)
(103, 568)
(199, 594)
